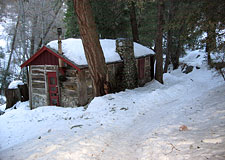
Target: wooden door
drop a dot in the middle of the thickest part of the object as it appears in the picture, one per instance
(141, 68)
(53, 88)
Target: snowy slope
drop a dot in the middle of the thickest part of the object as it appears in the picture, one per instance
(144, 123)
(73, 49)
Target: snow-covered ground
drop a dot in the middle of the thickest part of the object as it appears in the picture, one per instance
(182, 119)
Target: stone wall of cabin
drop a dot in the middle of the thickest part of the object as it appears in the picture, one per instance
(68, 88)
(38, 87)
(75, 87)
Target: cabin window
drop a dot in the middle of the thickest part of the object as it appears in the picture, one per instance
(52, 80)
(141, 68)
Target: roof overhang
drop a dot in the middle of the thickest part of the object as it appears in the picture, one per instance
(42, 50)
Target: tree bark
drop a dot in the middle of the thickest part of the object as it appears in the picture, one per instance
(179, 47)
(159, 37)
(23, 35)
(168, 51)
(177, 55)
(210, 40)
(133, 21)
(169, 47)
(32, 41)
(92, 47)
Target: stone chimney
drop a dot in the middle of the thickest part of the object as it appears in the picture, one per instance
(125, 48)
(59, 31)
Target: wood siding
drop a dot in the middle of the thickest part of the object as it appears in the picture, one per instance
(45, 58)
(38, 84)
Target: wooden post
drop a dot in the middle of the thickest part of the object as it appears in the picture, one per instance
(46, 87)
(30, 87)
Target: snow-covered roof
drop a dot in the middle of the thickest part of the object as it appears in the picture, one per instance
(74, 51)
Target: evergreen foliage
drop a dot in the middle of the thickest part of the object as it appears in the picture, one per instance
(147, 20)
(72, 30)
(111, 18)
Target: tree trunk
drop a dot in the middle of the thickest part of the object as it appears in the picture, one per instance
(159, 37)
(92, 47)
(32, 41)
(23, 36)
(133, 21)
(210, 40)
(169, 37)
(176, 55)
(169, 50)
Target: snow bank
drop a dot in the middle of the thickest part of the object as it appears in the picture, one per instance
(73, 50)
(3, 107)
(14, 84)
(194, 58)
(142, 123)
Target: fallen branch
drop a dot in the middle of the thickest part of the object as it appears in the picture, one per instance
(173, 147)
(76, 126)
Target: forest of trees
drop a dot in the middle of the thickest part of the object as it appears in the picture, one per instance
(166, 26)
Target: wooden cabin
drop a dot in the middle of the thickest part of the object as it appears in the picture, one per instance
(70, 84)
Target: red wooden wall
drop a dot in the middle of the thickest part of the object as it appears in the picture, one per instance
(45, 58)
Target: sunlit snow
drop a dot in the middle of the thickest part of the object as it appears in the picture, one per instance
(141, 124)
(73, 49)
